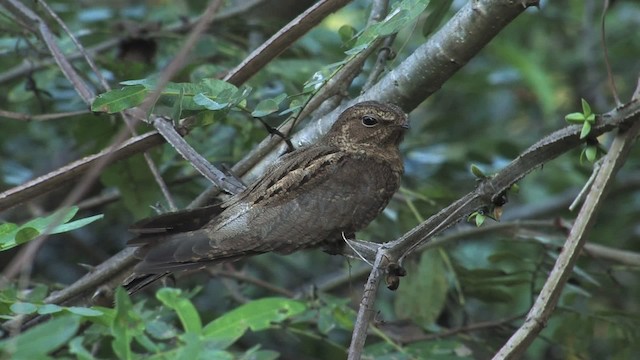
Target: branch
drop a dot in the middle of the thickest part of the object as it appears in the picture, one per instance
(280, 41)
(32, 20)
(63, 175)
(550, 293)
(424, 71)
(487, 193)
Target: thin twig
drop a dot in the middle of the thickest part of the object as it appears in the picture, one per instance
(605, 51)
(251, 280)
(484, 325)
(41, 117)
(78, 45)
(180, 59)
(384, 55)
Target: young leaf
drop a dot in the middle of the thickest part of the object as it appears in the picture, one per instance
(575, 118)
(183, 307)
(13, 235)
(39, 341)
(256, 315)
(120, 99)
(591, 152)
(207, 103)
(586, 109)
(586, 129)
(475, 170)
(265, 107)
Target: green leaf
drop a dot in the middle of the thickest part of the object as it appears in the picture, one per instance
(265, 107)
(586, 109)
(49, 309)
(37, 342)
(208, 103)
(480, 218)
(176, 111)
(575, 118)
(125, 326)
(426, 281)
(403, 14)
(118, 100)
(477, 172)
(591, 152)
(256, 315)
(347, 35)
(31, 229)
(437, 10)
(7, 228)
(23, 308)
(76, 348)
(84, 311)
(586, 129)
(76, 224)
(591, 118)
(26, 234)
(187, 313)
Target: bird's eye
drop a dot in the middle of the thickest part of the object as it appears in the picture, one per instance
(369, 121)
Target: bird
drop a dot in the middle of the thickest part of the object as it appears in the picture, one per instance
(313, 196)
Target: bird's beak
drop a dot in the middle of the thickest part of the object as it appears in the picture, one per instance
(406, 125)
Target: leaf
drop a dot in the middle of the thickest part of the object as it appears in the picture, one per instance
(76, 224)
(256, 315)
(49, 309)
(183, 307)
(265, 107)
(426, 281)
(76, 348)
(176, 111)
(586, 129)
(22, 308)
(477, 172)
(125, 326)
(591, 153)
(84, 311)
(7, 228)
(574, 118)
(586, 109)
(26, 234)
(437, 9)
(192, 348)
(347, 35)
(15, 235)
(118, 100)
(404, 13)
(37, 342)
(207, 103)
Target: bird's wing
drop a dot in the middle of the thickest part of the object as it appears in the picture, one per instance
(302, 200)
(173, 222)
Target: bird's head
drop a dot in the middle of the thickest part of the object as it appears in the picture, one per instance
(369, 123)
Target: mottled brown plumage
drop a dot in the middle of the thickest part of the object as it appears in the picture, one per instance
(309, 197)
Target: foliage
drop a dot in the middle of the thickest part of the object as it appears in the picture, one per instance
(517, 90)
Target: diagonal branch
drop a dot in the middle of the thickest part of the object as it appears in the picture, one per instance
(550, 293)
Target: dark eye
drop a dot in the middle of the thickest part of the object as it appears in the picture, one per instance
(369, 121)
